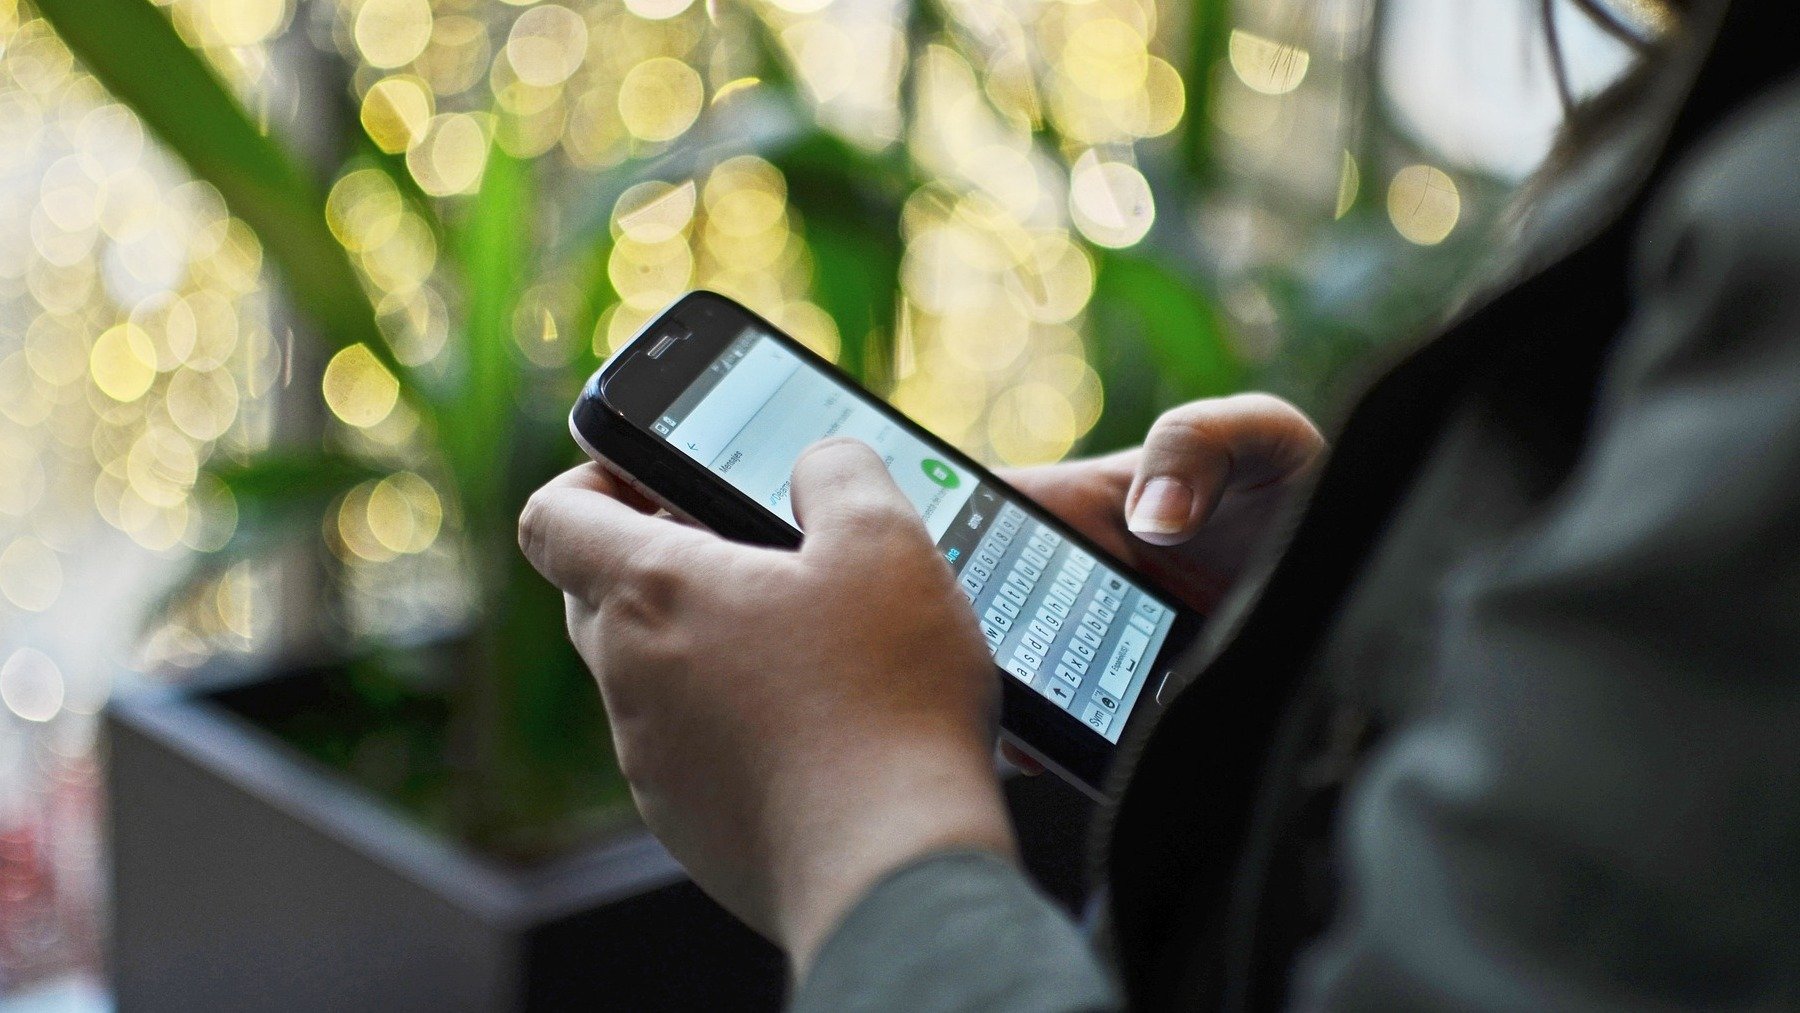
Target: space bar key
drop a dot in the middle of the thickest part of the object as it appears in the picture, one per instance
(1125, 660)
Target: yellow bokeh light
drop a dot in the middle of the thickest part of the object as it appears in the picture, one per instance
(1424, 204)
(1032, 423)
(363, 209)
(1106, 58)
(1349, 184)
(452, 156)
(245, 22)
(654, 211)
(1110, 202)
(404, 513)
(1158, 107)
(31, 575)
(1267, 66)
(161, 467)
(649, 275)
(546, 45)
(812, 327)
(396, 112)
(123, 362)
(202, 405)
(348, 529)
(660, 98)
(657, 10)
(390, 33)
(358, 388)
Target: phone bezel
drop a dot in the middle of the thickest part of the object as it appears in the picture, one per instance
(610, 433)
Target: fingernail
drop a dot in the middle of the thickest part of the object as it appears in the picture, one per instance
(1162, 508)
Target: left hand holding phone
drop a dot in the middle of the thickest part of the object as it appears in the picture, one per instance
(793, 725)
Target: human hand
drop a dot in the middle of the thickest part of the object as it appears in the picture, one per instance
(1189, 506)
(793, 724)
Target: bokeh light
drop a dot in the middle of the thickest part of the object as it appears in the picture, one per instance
(1424, 204)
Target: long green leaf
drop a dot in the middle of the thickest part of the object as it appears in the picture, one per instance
(1158, 342)
(851, 205)
(494, 250)
(134, 51)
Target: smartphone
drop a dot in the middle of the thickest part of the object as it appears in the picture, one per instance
(708, 407)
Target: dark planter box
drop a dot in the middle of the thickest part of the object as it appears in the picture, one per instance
(248, 877)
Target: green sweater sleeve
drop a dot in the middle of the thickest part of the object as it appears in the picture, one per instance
(959, 930)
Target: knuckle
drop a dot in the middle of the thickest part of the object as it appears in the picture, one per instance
(532, 522)
(645, 591)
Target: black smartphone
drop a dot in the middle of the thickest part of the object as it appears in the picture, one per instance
(708, 407)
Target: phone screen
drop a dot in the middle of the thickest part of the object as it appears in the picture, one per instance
(1078, 633)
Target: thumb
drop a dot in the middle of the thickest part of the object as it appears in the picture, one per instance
(845, 499)
(1196, 453)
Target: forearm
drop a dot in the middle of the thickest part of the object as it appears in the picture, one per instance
(957, 930)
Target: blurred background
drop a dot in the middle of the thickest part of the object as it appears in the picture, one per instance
(294, 295)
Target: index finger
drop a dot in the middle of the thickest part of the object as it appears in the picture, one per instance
(579, 531)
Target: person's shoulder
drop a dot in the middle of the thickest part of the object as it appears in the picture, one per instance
(1745, 175)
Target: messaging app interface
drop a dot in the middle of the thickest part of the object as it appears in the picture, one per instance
(1080, 634)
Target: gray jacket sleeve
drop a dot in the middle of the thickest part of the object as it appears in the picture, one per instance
(961, 930)
(1601, 807)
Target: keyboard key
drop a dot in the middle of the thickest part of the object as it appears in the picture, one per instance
(1080, 560)
(1016, 579)
(1000, 539)
(1001, 620)
(1109, 599)
(1034, 557)
(1050, 537)
(1143, 625)
(972, 583)
(1013, 594)
(1106, 701)
(1022, 670)
(1068, 582)
(977, 571)
(1051, 620)
(987, 558)
(1060, 693)
(1089, 622)
(1102, 613)
(1056, 605)
(1149, 609)
(1040, 631)
(1124, 662)
(1113, 582)
(1037, 645)
(1031, 659)
(1006, 607)
(1075, 662)
(1085, 635)
(1068, 675)
(1097, 719)
(1031, 572)
(993, 634)
(1084, 650)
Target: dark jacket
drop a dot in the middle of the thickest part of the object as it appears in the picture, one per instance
(1512, 720)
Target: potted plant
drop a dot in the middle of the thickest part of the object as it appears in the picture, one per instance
(438, 821)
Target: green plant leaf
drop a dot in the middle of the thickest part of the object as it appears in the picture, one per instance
(494, 249)
(1157, 342)
(1209, 33)
(134, 51)
(283, 480)
(851, 202)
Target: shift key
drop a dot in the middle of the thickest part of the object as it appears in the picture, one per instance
(1125, 661)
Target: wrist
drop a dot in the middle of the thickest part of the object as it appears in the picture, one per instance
(846, 832)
